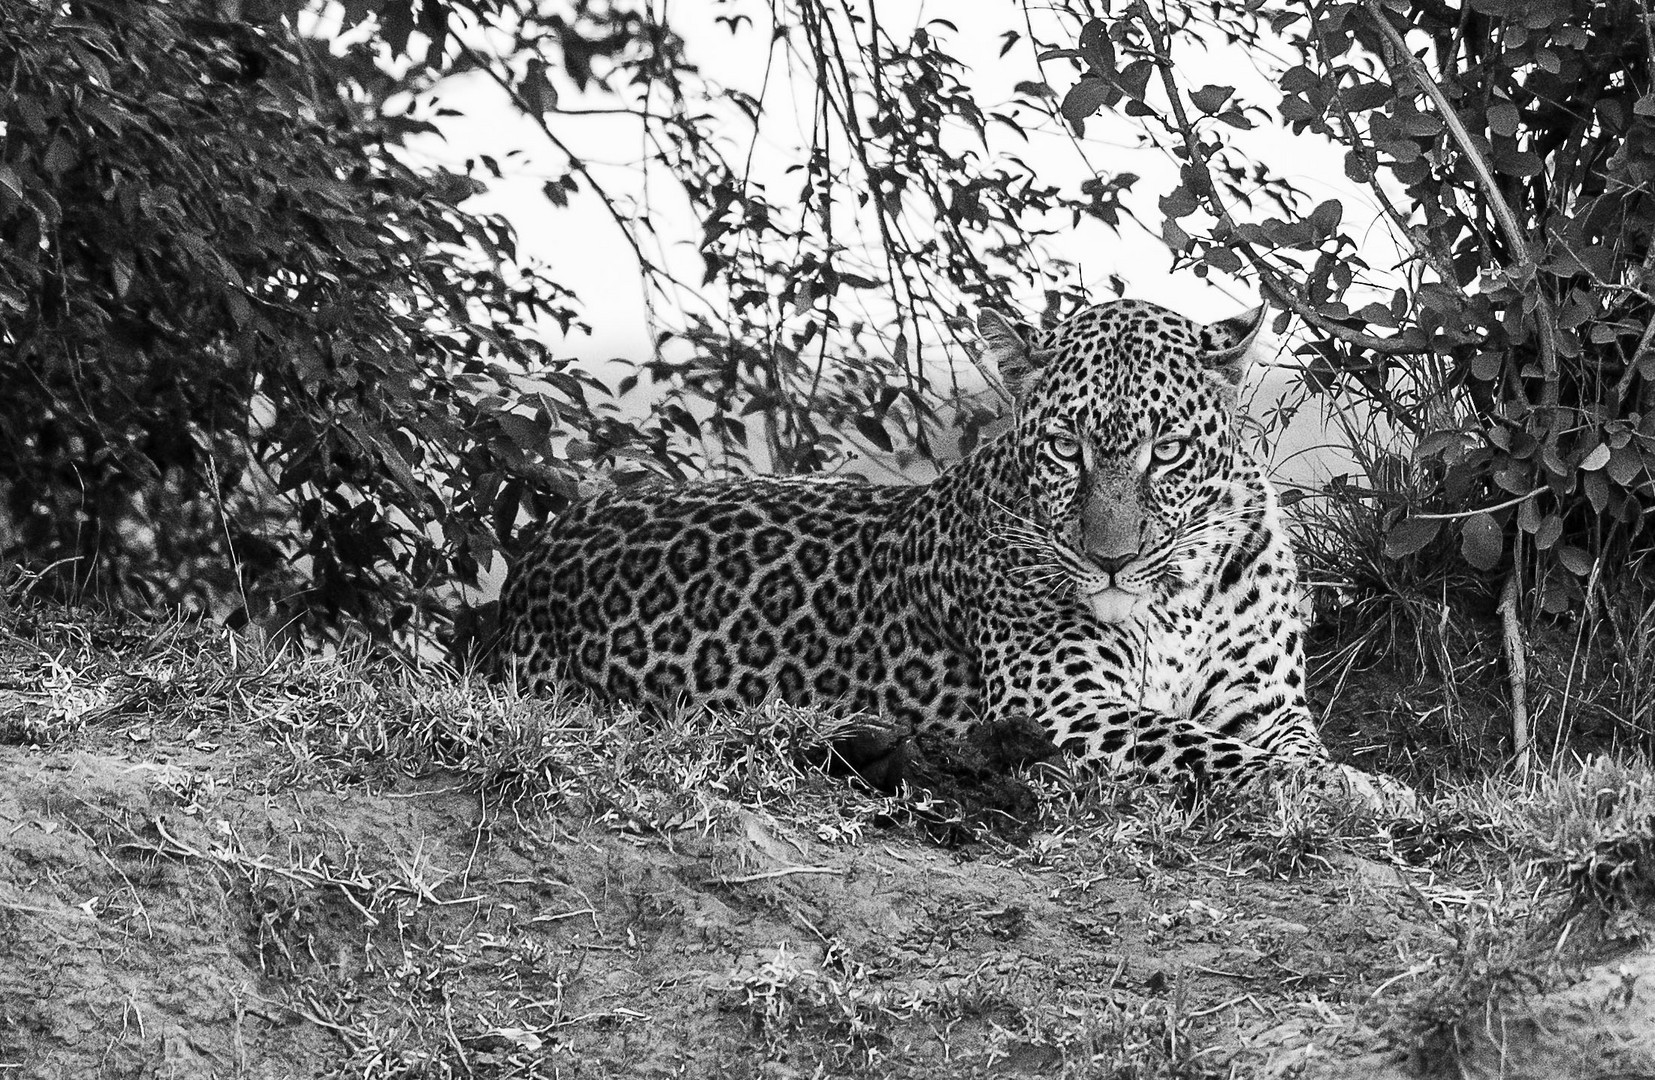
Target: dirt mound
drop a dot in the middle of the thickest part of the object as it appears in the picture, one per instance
(216, 864)
(294, 933)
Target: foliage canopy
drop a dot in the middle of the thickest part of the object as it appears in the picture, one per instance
(1507, 147)
(256, 358)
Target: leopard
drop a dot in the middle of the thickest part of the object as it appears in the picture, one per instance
(1114, 568)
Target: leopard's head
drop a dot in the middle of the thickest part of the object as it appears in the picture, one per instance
(1126, 446)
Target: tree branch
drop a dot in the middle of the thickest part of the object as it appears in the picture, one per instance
(1503, 213)
(1273, 283)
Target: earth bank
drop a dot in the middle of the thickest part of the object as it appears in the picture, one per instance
(215, 862)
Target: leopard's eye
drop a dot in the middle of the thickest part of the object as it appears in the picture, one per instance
(1065, 447)
(1169, 452)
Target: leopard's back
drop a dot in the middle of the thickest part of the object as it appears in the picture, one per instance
(727, 594)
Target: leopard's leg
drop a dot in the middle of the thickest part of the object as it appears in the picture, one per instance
(1126, 738)
(1075, 680)
(1251, 679)
(1078, 680)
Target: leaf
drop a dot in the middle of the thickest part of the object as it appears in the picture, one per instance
(1597, 459)
(1377, 315)
(537, 89)
(1418, 124)
(1086, 97)
(1624, 464)
(1554, 600)
(1597, 260)
(1365, 96)
(525, 1039)
(874, 432)
(1097, 48)
(60, 157)
(526, 432)
(1550, 531)
(1503, 118)
(1577, 561)
(1135, 78)
(1094, 39)
(373, 441)
(1528, 517)
(1179, 202)
(557, 193)
(1222, 258)
(1511, 161)
(1410, 535)
(396, 24)
(1210, 99)
(238, 307)
(1174, 235)
(120, 269)
(1597, 491)
(9, 180)
(1326, 217)
(1481, 541)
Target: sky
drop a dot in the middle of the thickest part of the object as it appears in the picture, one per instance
(583, 245)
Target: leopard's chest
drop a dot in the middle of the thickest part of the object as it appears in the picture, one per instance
(1170, 657)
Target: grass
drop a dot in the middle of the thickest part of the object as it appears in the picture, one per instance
(1551, 869)
(1562, 868)
(1592, 831)
(1410, 639)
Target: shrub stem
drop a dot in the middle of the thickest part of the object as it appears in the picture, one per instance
(1516, 666)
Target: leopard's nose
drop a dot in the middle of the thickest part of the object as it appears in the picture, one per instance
(1114, 564)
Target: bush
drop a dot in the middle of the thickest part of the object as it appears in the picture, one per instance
(248, 354)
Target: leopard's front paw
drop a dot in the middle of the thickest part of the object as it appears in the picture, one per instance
(1375, 793)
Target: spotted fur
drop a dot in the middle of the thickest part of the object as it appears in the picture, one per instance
(1113, 567)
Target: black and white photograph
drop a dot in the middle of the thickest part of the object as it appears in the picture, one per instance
(827, 539)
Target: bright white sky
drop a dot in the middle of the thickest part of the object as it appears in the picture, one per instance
(585, 249)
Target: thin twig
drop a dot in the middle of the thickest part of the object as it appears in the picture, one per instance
(453, 1036)
(575, 161)
(1221, 1006)
(7, 905)
(561, 915)
(785, 871)
(1456, 515)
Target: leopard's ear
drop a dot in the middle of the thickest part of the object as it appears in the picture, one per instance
(1005, 346)
(1229, 342)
